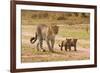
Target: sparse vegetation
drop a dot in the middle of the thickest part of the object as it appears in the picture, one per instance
(71, 25)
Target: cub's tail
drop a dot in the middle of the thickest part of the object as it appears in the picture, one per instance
(62, 43)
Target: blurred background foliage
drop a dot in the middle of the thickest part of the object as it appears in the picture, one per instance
(32, 17)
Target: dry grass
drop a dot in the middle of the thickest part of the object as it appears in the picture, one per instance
(71, 25)
(30, 53)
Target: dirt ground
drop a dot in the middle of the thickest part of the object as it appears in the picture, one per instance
(80, 54)
(29, 52)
